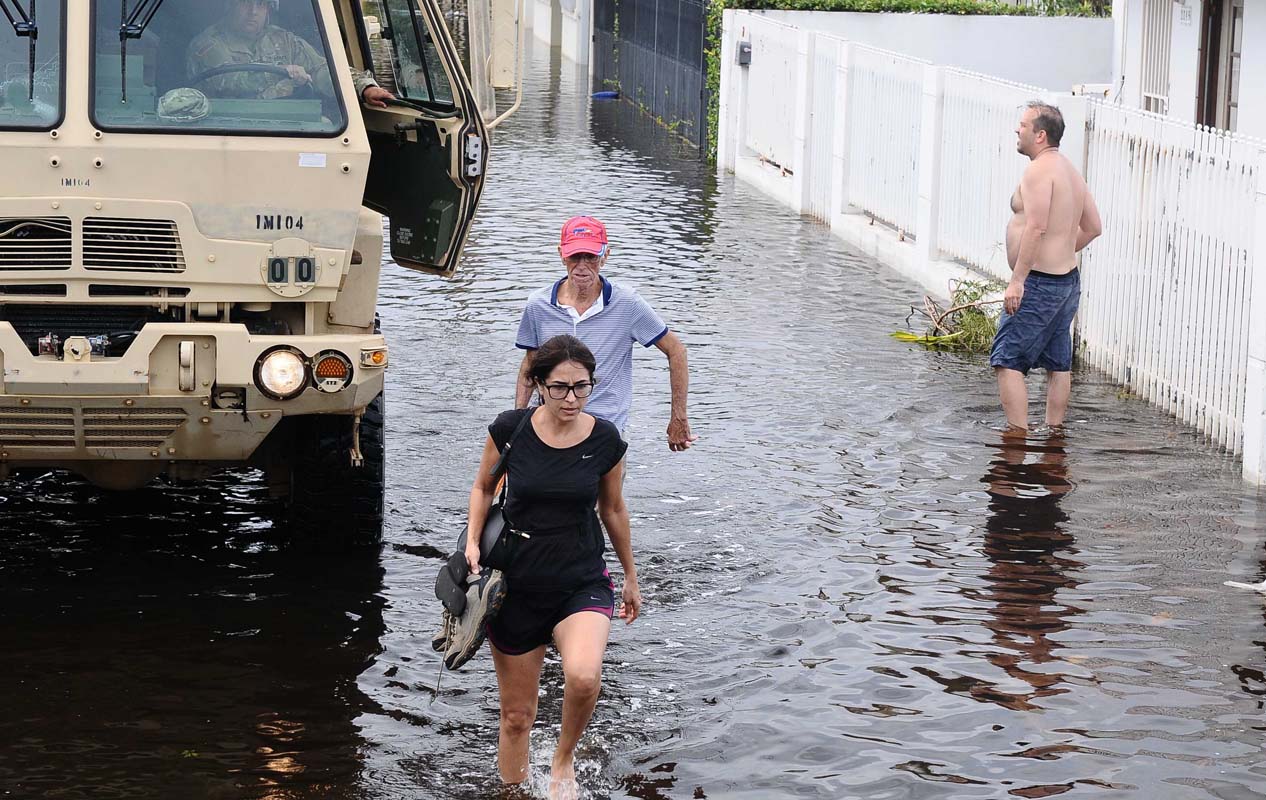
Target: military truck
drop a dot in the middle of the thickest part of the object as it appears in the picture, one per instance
(191, 232)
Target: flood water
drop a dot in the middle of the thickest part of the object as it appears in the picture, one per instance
(853, 587)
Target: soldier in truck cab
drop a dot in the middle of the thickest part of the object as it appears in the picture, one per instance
(245, 36)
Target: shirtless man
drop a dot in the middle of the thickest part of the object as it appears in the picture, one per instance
(1054, 218)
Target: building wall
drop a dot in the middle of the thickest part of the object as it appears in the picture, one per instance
(1184, 58)
(1052, 52)
(1184, 61)
(1253, 72)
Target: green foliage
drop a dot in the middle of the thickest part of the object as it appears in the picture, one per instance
(975, 322)
(969, 324)
(712, 45)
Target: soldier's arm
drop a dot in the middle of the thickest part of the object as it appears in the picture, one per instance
(206, 53)
(307, 57)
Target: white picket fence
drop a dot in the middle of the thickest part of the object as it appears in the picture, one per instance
(1166, 291)
(884, 116)
(1174, 298)
(980, 169)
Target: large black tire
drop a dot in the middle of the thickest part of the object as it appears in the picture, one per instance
(334, 506)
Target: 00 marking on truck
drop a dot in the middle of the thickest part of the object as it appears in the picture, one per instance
(278, 222)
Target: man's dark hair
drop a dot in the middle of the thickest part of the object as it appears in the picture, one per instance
(1048, 119)
(558, 350)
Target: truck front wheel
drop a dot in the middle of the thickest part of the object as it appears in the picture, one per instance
(333, 505)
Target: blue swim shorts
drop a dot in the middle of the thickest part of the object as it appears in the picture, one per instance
(1040, 333)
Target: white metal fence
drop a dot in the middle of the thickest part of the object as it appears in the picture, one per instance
(980, 169)
(884, 117)
(824, 75)
(1165, 304)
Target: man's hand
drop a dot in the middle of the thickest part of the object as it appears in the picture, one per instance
(298, 74)
(376, 96)
(1012, 297)
(679, 435)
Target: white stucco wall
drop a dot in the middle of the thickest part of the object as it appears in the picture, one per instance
(1051, 52)
(1184, 61)
(1253, 73)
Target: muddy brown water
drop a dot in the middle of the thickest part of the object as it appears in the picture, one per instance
(854, 588)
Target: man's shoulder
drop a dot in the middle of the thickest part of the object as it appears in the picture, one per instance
(277, 35)
(211, 37)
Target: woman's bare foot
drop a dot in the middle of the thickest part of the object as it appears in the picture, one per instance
(563, 789)
(562, 779)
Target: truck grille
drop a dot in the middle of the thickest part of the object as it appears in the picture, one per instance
(34, 243)
(24, 426)
(132, 245)
(136, 427)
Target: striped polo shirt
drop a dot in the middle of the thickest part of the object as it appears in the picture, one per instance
(617, 319)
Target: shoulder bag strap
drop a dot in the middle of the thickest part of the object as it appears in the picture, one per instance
(499, 469)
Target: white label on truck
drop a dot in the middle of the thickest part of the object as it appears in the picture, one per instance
(315, 160)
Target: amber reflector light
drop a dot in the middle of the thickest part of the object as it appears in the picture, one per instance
(331, 367)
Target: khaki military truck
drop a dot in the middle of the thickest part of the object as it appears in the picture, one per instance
(192, 196)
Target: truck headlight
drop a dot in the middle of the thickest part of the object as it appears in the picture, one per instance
(281, 373)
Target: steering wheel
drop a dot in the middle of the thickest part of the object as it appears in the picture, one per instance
(268, 69)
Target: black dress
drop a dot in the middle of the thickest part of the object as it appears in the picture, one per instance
(558, 569)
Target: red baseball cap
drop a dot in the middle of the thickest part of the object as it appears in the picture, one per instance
(583, 235)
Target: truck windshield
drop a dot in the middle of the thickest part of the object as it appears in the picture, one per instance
(214, 66)
(30, 93)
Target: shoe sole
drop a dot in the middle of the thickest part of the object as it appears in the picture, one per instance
(489, 604)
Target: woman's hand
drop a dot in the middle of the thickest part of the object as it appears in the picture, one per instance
(472, 556)
(630, 600)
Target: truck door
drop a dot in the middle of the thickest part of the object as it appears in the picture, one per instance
(429, 146)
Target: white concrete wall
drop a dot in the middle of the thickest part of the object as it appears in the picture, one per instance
(1253, 74)
(577, 31)
(1055, 52)
(1184, 61)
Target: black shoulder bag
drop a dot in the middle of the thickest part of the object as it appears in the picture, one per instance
(496, 545)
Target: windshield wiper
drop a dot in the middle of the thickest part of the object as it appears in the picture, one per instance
(24, 24)
(131, 26)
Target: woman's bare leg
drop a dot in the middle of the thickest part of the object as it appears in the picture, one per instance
(519, 681)
(581, 640)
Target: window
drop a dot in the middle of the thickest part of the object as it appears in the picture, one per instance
(1157, 26)
(31, 96)
(228, 67)
(419, 71)
(1235, 37)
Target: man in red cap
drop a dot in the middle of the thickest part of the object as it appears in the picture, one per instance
(608, 317)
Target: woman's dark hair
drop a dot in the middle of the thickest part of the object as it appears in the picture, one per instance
(558, 350)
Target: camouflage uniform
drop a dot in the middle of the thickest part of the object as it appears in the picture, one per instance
(219, 45)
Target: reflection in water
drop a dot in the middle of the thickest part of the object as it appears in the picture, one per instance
(1028, 551)
(169, 651)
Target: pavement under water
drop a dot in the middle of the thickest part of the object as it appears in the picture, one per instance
(854, 587)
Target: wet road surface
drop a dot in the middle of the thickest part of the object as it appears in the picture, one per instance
(854, 588)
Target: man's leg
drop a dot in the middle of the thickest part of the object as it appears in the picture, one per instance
(518, 682)
(581, 640)
(1058, 388)
(1015, 397)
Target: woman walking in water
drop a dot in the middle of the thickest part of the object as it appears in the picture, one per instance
(558, 587)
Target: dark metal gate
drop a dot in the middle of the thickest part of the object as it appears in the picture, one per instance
(652, 51)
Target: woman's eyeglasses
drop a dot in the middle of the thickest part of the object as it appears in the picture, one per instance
(558, 391)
